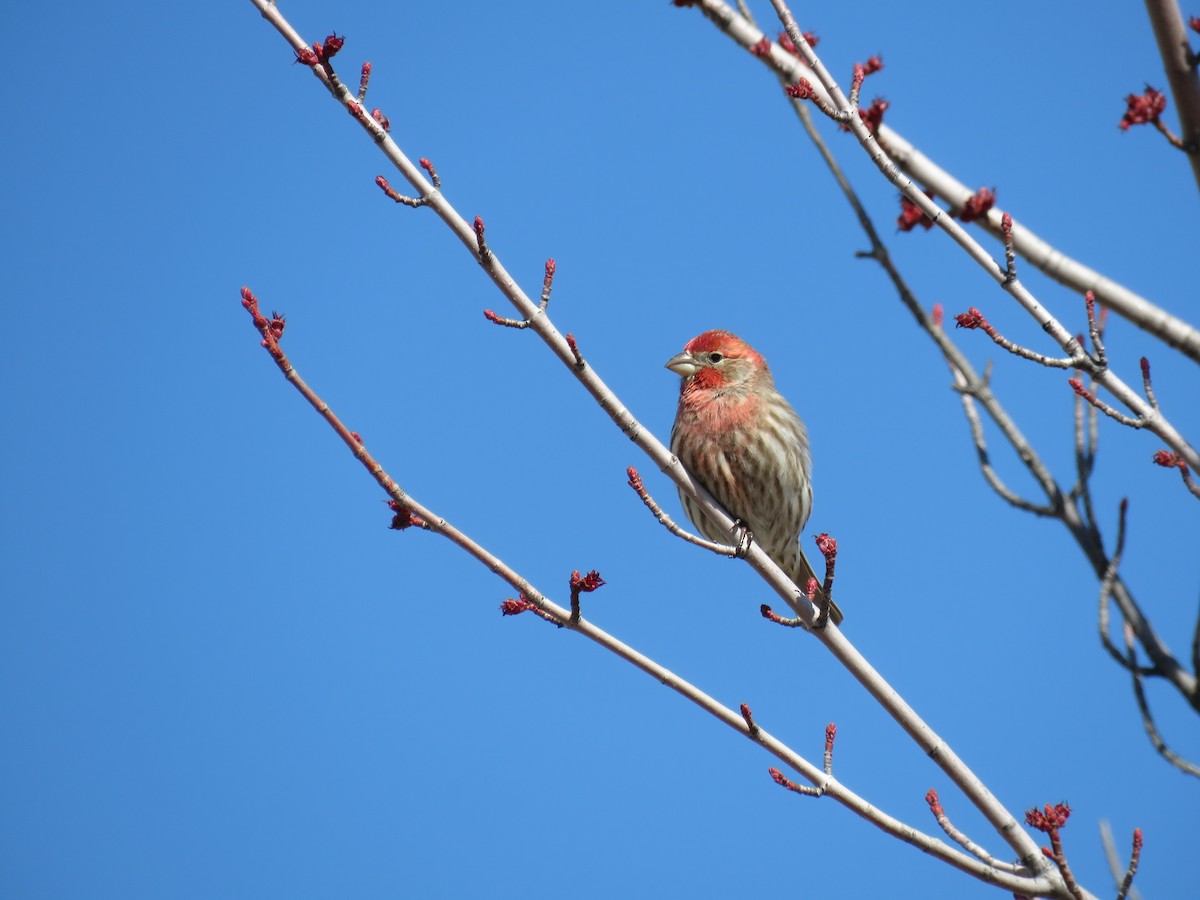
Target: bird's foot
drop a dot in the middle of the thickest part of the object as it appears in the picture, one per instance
(742, 539)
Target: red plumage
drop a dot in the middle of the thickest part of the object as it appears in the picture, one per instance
(743, 441)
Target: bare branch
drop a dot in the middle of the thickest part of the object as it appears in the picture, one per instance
(1139, 691)
(1173, 331)
(1086, 439)
(939, 813)
(1180, 66)
(973, 319)
(1134, 856)
(1169, 460)
(1151, 419)
(771, 616)
(1122, 877)
(1086, 535)
(1090, 397)
(1051, 820)
(1106, 587)
(819, 790)
(1030, 881)
(967, 394)
(635, 482)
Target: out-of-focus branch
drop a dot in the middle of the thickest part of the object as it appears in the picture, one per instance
(1170, 329)
(1180, 65)
(1152, 732)
(410, 511)
(1122, 878)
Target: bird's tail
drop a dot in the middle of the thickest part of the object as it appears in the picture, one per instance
(801, 572)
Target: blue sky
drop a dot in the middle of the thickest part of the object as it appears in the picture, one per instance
(222, 675)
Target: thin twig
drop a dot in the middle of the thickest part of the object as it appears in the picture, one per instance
(1106, 587)
(1090, 397)
(1097, 332)
(1152, 732)
(967, 394)
(1179, 65)
(973, 319)
(1085, 459)
(939, 813)
(1122, 876)
(1135, 855)
(635, 482)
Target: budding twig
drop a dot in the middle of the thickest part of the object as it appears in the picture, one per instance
(496, 319)
(547, 283)
(405, 517)
(749, 717)
(879, 154)
(414, 202)
(977, 206)
(785, 782)
(939, 813)
(1077, 386)
(1134, 856)
(579, 363)
(485, 255)
(582, 584)
(511, 607)
(1010, 254)
(1169, 460)
(925, 737)
(639, 487)
(803, 90)
(1051, 821)
(823, 599)
(973, 319)
(362, 82)
(771, 616)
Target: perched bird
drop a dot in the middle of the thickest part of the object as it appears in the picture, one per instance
(737, 435)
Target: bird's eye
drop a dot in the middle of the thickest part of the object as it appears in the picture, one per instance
(715, 357)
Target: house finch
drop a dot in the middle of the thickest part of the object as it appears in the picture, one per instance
(737, 435)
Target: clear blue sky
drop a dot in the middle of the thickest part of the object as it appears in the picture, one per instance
(221, 675)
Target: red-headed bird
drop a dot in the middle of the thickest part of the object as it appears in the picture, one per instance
(737, 435)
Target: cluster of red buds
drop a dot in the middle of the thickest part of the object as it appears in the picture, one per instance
(978, 205)
(786, 42)
(321, 52)
(1142, 109)
(1169, 460)
(1048, 819)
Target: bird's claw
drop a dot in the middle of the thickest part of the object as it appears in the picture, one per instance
(742, 539)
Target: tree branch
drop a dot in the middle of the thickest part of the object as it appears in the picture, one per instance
(1025, 881)
(1180, 66)
(931, 743)
(1170, 329)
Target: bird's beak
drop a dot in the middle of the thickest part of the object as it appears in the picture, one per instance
(683, 364)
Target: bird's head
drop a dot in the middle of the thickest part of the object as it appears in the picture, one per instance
(719, 360)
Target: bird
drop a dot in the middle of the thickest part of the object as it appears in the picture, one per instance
(745, 443)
